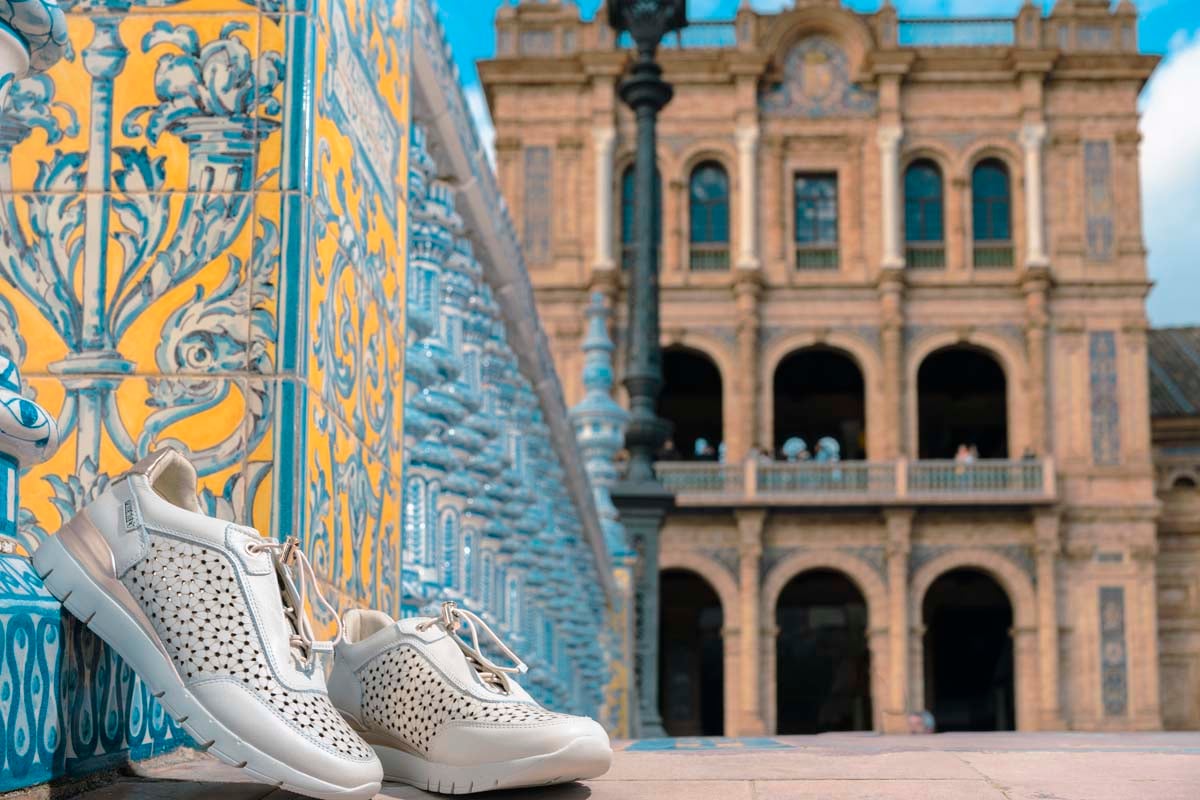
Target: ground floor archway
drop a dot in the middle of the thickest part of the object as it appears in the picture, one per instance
(822, 658)
(691, 691)
(968, 653)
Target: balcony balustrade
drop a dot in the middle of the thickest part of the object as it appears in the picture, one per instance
(816, 258)
(925, 255)
(851, 483)
(708, 257)
(993, 254)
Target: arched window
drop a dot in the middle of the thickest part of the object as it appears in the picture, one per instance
(691, 673)
(991, 214)
(628, 193)
(691, 401)
(709, 218)
(923, 232)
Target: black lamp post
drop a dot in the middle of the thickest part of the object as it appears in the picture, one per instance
(640, 498)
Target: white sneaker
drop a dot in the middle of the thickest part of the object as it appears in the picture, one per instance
(211, 616)
(445, 718)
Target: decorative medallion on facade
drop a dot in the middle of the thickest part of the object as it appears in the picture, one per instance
(816, 83)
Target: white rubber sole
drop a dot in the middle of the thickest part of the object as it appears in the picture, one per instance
(83, 596)
(581, 759)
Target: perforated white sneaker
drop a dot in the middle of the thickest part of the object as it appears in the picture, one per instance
(211, 616)
(444, 717)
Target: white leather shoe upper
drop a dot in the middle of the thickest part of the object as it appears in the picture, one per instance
(215, 595)
(418, 686)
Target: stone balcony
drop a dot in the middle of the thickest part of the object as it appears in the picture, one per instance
(861, 483)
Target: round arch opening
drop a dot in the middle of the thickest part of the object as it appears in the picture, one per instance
(962, 401)
(691, 400)
(691, 673)
(819, 393)
(822, 658)
(968, 647)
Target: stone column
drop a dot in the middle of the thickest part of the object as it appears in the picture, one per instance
(744, 436)
(891, 301)
(1036, 285)
(1047, 546)
(899, 537)
(1032, 136)
(747, 148)
(889, 179)
(750, 547)
(604, 141)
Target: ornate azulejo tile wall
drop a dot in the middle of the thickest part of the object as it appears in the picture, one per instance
(202, 227)
(499, 513)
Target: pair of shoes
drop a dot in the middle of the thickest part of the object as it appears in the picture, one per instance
(212, 617)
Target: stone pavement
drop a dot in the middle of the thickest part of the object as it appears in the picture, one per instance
(997, 766)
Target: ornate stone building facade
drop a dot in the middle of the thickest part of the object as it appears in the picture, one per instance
(205, 242)
(912, 249)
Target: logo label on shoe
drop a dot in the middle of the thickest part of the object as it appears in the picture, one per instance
(130, 516)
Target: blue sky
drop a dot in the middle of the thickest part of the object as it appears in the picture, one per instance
(1170, 125)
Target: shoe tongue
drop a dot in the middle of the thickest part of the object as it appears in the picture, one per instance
(445, 649)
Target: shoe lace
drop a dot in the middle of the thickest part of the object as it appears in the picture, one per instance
(451, 619)
(287, 554)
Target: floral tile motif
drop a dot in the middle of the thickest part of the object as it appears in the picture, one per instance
(108, 425)
(192, 98)
(352, 531)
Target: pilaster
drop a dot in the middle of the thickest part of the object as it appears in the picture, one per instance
(604, 142)
(899, 544)
(889, 138)
(748, 296)
(1036, 285)
(891, 324)
(1033, 134)
(750, 546)
(747, 149)
(1047, 546)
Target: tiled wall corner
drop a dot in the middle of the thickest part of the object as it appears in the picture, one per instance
(189, 257)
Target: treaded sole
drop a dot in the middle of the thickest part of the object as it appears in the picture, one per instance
(80, 594)
(581, 759)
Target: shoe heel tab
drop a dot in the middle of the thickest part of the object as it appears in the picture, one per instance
(171, 476)
(361, 623)
(153, 463)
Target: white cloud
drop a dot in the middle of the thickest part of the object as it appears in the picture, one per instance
(478, 108)
(1171, 182)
